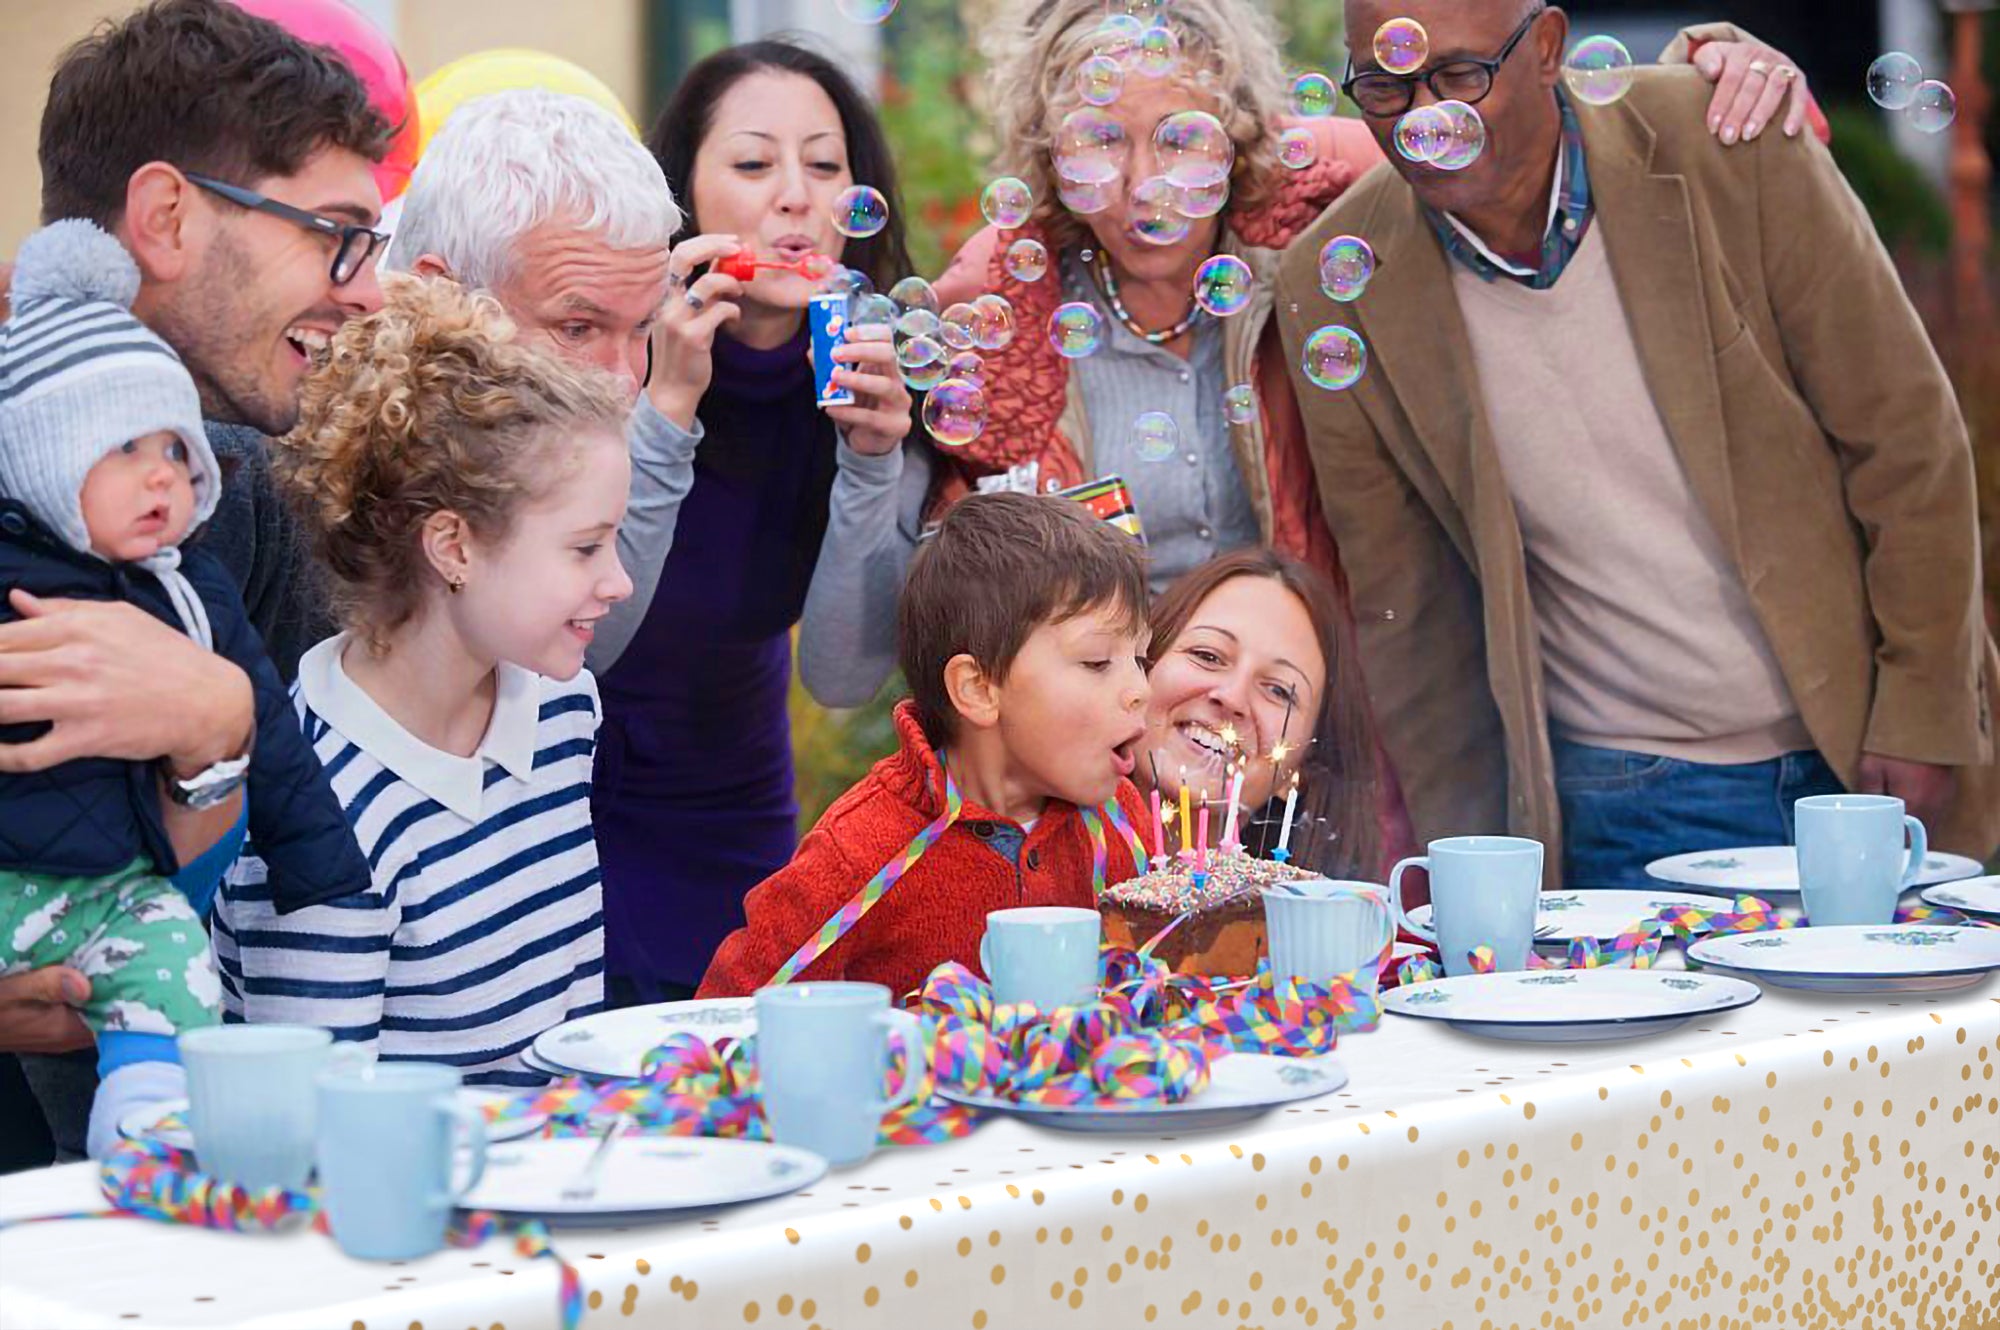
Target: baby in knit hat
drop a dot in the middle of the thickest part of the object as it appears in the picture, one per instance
(104, 472)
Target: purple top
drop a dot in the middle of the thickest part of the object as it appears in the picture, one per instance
(693, 801)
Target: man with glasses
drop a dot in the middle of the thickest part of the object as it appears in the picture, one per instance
(1655, 502)
(233, 162)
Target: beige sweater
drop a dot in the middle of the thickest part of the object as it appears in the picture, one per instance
(1648, 639)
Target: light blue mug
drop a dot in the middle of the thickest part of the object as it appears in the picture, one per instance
(1319, 929)
(1485, 891)
(1852, 864)
(822, 1050)
(1044, 954)
(251, 1102)
(386, 1147)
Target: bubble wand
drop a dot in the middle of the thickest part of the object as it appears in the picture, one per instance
(744, 263)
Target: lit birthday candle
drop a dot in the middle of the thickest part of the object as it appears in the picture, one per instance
(1187, 815)
(1283, 852)
(1201, 841)
(1230, 844)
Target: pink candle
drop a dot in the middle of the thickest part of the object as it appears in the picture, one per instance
(1159, 829)
(1201, 839)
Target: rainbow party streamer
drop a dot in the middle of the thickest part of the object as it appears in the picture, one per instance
(147, 1179)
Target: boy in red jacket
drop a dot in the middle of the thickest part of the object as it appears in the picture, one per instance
(1021, 634)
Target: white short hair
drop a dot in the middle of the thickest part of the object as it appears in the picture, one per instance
(505, 164)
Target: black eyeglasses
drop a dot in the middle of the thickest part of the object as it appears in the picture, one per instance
(1379, 93)
(354, 243)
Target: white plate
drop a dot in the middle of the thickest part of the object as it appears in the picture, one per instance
(645, 1175)
(1563, 915)
(1760, 869)
(615, 1043)
(1979, 896)
(1240, 1086)
(166, 1121)
(1858, 958)
(1570, 1006)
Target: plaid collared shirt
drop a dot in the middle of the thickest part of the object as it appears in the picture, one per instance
(1570, 213)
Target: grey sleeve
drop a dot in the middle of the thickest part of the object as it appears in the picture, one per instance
(662, 475)
(847, 639)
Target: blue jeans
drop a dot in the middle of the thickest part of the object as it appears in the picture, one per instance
(1623, 810)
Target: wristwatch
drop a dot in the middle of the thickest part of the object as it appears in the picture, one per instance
(209, 787)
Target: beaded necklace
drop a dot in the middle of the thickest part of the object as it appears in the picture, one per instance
(1100, 269)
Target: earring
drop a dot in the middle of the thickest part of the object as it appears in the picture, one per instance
(454, 585)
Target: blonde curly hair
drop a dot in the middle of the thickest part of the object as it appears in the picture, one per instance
(1230, 50)
(428, 405)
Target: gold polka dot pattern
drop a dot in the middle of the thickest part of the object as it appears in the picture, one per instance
(1811, 1161)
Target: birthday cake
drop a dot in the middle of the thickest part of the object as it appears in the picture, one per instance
(1223, 933)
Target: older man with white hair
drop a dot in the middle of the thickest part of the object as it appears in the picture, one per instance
(548, 203)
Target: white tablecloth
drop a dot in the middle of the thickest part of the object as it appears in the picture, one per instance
(1807, 1161)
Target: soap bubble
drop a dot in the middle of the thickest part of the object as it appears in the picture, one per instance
(1156, 436)
(1119, 33)
(818, 268)
(1335, 357)
(967, 365)
(916, 323)
(1193, 149)
(1314, 96)
(1156, 215)
(1298, 148)
(992, 322)
(955, 412)
(1007, 202)
(1222, 285)
(1599, 70)
(1075, 330)
(1465, 137)
(1159, 51)
(1201, 200)
(914, 293)
(872, 310)
(1934, 107)
(1089, 148)
(1027, 260)
(845, 281)
(860, 211)
(1402, 46)
(957, 324)
(1422, 134)
(912, 352)
(1893, 80)
(1346, 263)
(1099, 80)
(1239, 404)
(865, 11)
(926, 375)
(1085, 200)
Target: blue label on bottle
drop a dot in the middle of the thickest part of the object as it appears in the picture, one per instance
(829, 329)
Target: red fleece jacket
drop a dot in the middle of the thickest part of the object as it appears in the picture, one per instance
(937, 912)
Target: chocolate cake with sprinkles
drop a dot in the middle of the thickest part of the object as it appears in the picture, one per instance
(1224, 934)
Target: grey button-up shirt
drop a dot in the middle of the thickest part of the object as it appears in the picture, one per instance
(1192, 503)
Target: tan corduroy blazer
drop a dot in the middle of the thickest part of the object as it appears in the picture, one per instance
(1804, 399)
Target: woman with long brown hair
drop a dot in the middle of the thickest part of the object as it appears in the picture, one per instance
(1253, 663)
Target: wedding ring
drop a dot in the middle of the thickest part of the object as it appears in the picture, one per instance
(1759, 67)
(675, 281)
(695, 302)
(1783, 73)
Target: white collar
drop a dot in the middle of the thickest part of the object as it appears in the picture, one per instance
(1555, 205)
(459, 783)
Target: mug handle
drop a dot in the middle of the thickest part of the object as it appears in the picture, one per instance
(473, 1124)
(906, 1029)
(985, 957)
(1388, 913)
(1403, 919)
(1920, 846)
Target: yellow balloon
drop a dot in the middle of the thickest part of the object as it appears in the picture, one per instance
(483, 72)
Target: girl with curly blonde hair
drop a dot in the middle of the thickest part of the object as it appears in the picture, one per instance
(465, 491)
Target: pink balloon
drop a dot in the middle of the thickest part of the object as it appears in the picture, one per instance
(366, 50)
